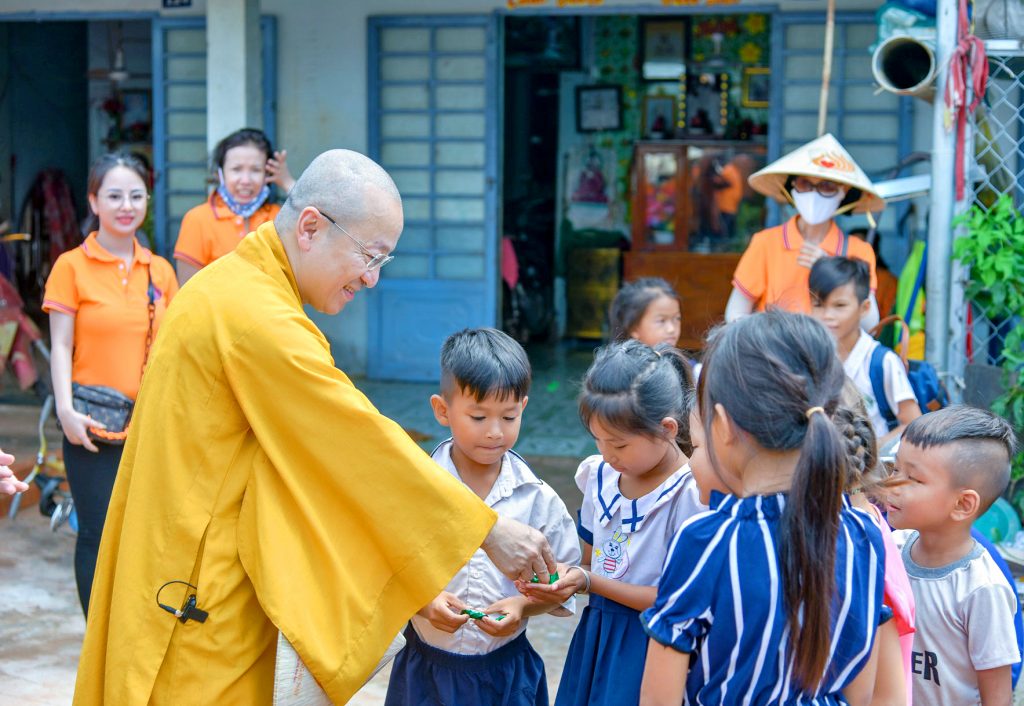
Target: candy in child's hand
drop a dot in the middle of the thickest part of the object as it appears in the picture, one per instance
(499, 617)
(554, 577)
(474, 614)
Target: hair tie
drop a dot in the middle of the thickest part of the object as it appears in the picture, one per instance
(812, 410)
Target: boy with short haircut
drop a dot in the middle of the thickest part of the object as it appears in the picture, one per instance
(840, 297)
(483, 657)
(954, 463)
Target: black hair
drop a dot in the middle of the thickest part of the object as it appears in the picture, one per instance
(771, 372)
(988, 444)
(631, 303)
(245, 136)
(102, 166)
(482, 362)
(830, 273)
(632, 387)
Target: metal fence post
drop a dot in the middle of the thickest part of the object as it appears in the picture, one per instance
(940, 232)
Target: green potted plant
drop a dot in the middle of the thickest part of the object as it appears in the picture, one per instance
(993, 252)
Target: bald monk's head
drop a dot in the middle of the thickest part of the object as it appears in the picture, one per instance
(362, 200)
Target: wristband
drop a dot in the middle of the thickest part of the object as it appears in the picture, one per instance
(586, 576)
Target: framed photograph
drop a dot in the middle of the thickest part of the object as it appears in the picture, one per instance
(757, 87)
(598, 107)
(659, 117)
(664, 49)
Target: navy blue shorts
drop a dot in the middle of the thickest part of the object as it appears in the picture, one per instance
(512, 675)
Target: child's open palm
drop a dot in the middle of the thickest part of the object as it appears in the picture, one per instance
(444, 612)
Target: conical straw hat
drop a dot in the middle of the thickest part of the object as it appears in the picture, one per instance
(823, 158)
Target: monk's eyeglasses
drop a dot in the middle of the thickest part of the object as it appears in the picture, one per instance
(373, 262)
(825, 188)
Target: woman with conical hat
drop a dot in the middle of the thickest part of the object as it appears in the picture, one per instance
(821, 181)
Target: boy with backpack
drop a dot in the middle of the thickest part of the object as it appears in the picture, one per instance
(839, 298)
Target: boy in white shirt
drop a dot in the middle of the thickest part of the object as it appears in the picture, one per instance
(954, 463)
(840, 299)
(468, 645)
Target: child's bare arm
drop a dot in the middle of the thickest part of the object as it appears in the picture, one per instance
(995, 686)
(908, 411)
(664, 675)
(858, 692)
(514, 608)
(890, 679)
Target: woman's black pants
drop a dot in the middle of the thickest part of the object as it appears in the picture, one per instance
(91, 477)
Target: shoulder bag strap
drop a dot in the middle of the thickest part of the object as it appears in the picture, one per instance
(151, 308)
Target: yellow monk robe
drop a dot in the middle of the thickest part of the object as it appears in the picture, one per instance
(256, 471)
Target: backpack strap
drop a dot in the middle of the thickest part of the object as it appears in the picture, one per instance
(876, 371)
(918, 284)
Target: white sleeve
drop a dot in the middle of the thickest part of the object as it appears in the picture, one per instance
(897, 385)
(991, 639)
(586, 476)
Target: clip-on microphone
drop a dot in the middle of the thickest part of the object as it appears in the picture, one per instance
(188, 610)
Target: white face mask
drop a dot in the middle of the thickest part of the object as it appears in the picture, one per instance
(815, 208)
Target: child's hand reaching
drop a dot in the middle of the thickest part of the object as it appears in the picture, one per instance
(444, 612)
(512, 608)
(570, 583)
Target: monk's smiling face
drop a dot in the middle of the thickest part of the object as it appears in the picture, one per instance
(334, 256)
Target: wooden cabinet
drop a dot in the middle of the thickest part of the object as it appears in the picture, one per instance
(660, 200)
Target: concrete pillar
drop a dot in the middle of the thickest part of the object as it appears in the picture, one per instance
(234, 73)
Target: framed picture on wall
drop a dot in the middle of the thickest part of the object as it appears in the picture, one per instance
(598, 107)
(664, 49)
(757, 87)
(659, 116)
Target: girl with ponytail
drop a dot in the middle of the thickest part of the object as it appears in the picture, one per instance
(774, 597)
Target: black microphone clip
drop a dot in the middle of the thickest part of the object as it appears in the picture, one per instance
(189, 610)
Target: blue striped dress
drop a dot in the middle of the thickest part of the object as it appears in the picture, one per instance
(720, 599)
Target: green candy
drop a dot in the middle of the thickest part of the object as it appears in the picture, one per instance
(554, 577)
(478, 615)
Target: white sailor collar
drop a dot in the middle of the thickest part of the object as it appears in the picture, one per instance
(514, 472)
(608, 499)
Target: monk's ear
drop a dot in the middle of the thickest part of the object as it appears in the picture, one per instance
(307, 228)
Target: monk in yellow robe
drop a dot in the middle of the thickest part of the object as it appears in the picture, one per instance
(256, 472)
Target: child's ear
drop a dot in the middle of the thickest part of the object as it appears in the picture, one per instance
(671, 427)
(865, 307)
(440, 408)
(966, 507)
(726, 426)
(524, 401)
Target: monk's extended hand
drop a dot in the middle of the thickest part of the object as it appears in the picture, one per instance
(9, 484)
(519, 551)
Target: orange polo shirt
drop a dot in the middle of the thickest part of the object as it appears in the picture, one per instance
(111, 308)
(728, 198)
(211, 230)
(768, 273)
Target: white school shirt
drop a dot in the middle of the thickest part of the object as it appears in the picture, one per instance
(517, 494)
(897, 386)
(630, 538)
(964, 624)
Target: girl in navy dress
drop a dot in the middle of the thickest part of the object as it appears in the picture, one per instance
(636, 495)
(775, 596)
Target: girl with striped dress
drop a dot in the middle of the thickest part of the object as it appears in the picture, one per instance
(775, 596)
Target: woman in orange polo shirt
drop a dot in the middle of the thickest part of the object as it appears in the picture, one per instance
(246, 166)
(821, 180)
(98, 299)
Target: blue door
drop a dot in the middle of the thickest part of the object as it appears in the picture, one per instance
(180, 157)
(433, 126)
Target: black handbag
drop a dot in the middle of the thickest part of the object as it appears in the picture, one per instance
(110, 407)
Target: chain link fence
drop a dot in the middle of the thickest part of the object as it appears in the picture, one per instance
(996, 167)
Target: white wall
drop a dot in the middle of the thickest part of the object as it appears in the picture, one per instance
(322, 82)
